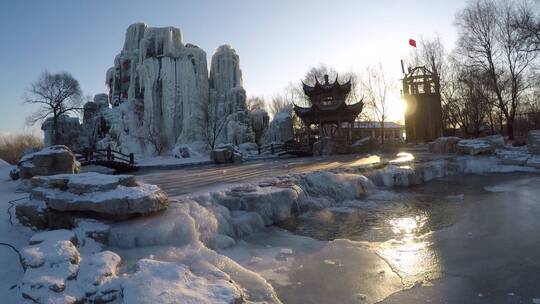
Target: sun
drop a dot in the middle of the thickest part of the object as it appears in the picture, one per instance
(396, 109)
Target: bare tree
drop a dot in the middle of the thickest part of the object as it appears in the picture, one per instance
(376, 87)
(212, 124)
(528, 23)
(255, 103)
(317, 73)
(489, 41)
(155, 137)
(56, 94)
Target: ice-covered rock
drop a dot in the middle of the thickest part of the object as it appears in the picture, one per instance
(364, 145)
(533, 141)
(281, 128)
(325, 146)
(55, 272)
(226, 153)
(533, 161)
(183, 151)
(496, 140)
(50, 261)
(259, 123)
(49, 161)
(115, 196)
(166, 282)
(228, 97)
(474, 146)
(160, 87)
(444, 144)
(515, 157)
(69, 132)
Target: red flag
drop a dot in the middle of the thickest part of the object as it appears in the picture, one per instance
(412, 42)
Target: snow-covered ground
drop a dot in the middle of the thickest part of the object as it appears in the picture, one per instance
(229, 235)
(164, 161)
(12, 234)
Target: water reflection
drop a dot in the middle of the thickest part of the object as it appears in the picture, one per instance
(407, 225)
(410, 254)
(402, 157)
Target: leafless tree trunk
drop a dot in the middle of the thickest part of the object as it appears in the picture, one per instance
(376, 86)
(490, 41)
(57, 94)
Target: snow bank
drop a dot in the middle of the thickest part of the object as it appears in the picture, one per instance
(4, 163)
(165, 282)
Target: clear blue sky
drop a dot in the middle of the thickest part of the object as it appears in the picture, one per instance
(277, 40)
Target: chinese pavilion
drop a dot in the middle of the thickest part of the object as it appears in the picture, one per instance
(328, 115)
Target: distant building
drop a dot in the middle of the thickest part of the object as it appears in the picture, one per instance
(392, 130)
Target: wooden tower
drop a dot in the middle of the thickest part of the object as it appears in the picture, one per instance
(423, 117)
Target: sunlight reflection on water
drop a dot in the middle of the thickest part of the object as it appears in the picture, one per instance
(409, 254)
(402, 157)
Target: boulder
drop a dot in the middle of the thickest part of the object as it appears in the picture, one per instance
(50, 261)
(496, 140)
(15, 173)
(177, 284)
(444, 144)
(512, 157)
(534, 161)
(364, 145)
(183, 151)
(226, 153)
(533, 141)
(49, 161)
(280, 130)
(474, 147)
(110, 196)
(325, 146)
(56, 273)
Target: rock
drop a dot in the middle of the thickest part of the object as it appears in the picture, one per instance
(69, 129)
(249, 148)
(36, 215)
(226, 154)
(512, 157)
(84, 182)
(166, 282)
(228, 97)
(56, 273)
(280, 130)
(50, 262)
(533, 141)
(474, 147)
(496, 140)
(183, 151)
(112, 196)
(324, 146)
(49, 161)
(364, 145)
(534, 161)
(444, 145)
(259, 120)
(95, 274)
(14, 173)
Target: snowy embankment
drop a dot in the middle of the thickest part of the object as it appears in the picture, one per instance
(174, 250)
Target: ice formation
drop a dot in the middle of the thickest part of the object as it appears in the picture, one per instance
(161, 93)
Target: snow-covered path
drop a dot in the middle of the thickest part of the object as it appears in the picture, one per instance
(203, 178)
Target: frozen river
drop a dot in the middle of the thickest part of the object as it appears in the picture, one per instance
(463, 239)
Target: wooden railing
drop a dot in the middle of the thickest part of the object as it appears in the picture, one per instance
(271, 148)
(91, 156)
